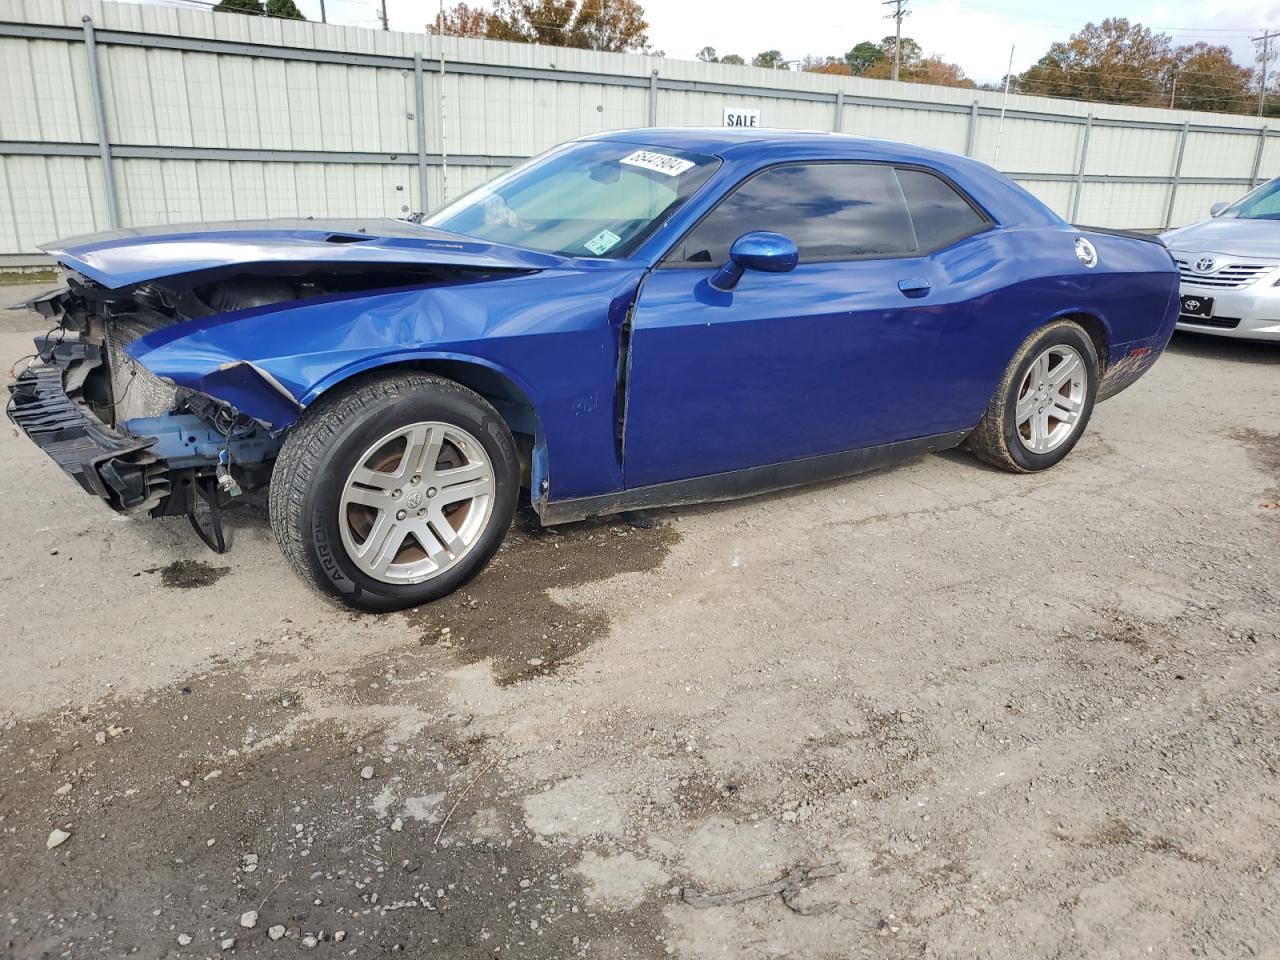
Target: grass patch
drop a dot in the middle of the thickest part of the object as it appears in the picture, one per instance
(10, 278)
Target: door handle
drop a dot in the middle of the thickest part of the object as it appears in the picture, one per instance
(914, 287)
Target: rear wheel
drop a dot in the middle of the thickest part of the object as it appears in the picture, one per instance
(396, 491)
(1043, 402)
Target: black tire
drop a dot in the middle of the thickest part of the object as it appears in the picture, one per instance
(322, 449)
(996, 439)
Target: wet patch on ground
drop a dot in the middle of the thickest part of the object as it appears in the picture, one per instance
(507, 615)
(187, 574)
(1264, 450)
(213, 798)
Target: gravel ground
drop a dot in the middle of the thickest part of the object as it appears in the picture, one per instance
(937, 711)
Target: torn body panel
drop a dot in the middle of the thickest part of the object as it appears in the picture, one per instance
(207, 371)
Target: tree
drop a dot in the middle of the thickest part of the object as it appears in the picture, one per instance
(1113, 62)
(733, 58)
(284, 10)
(835, 65)
(770, 58)
(462, 20)
(935, 70)
(1204, 77)
(911, 52)
(862, 56)
(708, 55)
(242, 6)
(915, 66)
(612, 25)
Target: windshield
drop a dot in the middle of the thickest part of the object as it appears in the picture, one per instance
(583, 199)
(1262, 204)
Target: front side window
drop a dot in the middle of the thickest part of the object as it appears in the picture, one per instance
(833, 211)
(585, 199)
(836, 211)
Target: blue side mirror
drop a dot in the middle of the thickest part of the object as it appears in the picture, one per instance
(1218, 207)
(757, 250)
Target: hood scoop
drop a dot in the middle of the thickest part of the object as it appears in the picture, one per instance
(346, 238)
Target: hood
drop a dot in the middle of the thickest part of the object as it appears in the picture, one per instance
(121, 258)
(1228, 236)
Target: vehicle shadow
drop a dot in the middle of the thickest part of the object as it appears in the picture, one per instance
(1209, 347)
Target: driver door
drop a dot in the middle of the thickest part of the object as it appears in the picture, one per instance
(841, 353)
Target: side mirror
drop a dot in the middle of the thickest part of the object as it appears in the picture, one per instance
(1218, 207)
(757, 250)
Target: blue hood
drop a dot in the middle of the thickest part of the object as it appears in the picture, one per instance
(121, 258)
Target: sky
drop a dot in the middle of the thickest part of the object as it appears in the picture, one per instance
(976, 34)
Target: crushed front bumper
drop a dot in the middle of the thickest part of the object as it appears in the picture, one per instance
(105, 462)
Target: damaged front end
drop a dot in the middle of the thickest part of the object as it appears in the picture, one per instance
(178, 357)
(137, 441)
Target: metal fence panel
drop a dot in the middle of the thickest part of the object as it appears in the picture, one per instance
(212, 116)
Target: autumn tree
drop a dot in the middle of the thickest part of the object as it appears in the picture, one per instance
(881, 67)
(832, 65)
(1114, 62)
(1204, 77)
(462, 20)
(611, 25)
(875, 60)
(933, 69)
(1122, 62)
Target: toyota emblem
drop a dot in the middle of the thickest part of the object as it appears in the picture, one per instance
(1190, 304)
(1205, 264)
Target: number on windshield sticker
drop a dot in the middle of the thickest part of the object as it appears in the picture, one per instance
(657, 162)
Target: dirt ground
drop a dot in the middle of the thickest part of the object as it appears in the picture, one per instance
(967, 714)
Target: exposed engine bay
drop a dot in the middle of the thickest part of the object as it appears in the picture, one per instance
(139, 441)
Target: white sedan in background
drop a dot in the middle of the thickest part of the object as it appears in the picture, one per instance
(1230, 267)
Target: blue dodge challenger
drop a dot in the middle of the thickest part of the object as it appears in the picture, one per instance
(629, 320)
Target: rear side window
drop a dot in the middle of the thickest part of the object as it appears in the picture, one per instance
(833, 211)
(941, 216)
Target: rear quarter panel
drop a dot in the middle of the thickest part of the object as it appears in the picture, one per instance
(1001, 286)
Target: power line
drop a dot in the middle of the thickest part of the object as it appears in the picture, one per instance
(1049, 19)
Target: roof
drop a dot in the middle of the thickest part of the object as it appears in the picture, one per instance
(745, 149)
(710, 140)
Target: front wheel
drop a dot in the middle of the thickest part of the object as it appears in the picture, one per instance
(1043, 402)
(396, 491)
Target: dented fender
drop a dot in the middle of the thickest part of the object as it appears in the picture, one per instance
(553, 337)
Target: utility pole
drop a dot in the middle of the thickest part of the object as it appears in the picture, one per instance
(384, 16)
(1266, 55)
(1173, 93)
(323, 19)
(899, 11)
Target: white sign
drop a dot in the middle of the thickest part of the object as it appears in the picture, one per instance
(657, 162)
(741, 117)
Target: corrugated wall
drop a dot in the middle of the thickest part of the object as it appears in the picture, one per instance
(218, 116)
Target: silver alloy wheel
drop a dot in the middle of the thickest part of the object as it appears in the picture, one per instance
(1051, 399)
(416, 502)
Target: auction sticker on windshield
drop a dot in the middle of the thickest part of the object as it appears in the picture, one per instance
(657, 162)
